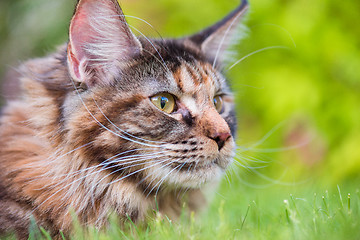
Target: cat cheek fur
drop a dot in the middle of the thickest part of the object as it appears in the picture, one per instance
(84, 137)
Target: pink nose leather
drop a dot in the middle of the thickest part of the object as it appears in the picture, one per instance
(220, 138)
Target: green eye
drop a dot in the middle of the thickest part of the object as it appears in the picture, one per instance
(164, 101)
(218, 103)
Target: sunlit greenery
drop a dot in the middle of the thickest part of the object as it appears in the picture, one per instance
(298, 103)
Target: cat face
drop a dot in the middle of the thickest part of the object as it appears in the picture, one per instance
(158, 111)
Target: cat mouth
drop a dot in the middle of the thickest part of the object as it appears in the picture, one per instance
(195, 165)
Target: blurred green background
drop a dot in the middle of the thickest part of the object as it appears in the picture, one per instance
(298, 103)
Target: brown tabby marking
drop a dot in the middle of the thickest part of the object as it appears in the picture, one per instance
(84, 136)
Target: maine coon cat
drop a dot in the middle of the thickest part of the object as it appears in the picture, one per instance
(116, 123)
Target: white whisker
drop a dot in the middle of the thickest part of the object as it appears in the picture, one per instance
(124, 132)
(141, 160)
(164, 177)
(255, 52)
(143, 35)
(223, 38)
(86, 176)
(280, 27)
(102, 125)
(132, 173)
(155, 177)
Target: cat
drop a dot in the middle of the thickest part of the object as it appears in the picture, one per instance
(112, 122)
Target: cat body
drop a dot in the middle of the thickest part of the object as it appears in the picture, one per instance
(116, 123)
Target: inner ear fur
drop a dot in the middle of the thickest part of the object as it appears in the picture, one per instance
(216, 40)
(100, 42)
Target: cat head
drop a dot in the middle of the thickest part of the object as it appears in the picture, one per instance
(159, 111)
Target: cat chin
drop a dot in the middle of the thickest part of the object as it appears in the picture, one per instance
(190, 178)
(201, 179)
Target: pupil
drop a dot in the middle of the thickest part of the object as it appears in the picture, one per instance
(215, 102)
(163, 102)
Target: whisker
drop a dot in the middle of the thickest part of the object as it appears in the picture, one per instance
(68, 195)
(281, 149)
(187, 188)
(252, 185)
(127, 161)
(105, 164)
(280, 27)
(134, 17)
(230, 172)
(75, 173)
(102, 125)
(141, 160)
(51, 159)
(251, 159)
(149, 184)
(157, 59)
(164, 65)
(164, 177)
(77, 180)
(147, 23)
(143, 35)
(266, 136)
(123, 131)
(271, 180)
(142, 169)
(249, 167)
(255, 52)
(50, 162)
(223, 39)
(228, 178)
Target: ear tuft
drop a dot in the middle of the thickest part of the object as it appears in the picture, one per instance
(215, 40)
(100, 42)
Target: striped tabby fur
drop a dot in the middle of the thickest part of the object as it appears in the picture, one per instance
(84, 136)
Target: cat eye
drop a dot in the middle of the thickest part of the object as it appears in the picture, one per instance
(218, 103)
(164, 101)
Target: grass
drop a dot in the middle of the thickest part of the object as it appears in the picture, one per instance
(239, 212)
(313, 88)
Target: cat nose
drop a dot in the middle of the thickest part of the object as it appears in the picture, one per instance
(220, 138)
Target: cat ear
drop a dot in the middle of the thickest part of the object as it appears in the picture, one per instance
(216, 39)
(100, 42)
